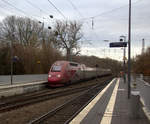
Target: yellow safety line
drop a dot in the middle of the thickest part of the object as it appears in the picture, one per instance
(85, 111)
(110, 107)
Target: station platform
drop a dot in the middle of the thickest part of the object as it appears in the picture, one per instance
(112, 106)
(21, 88)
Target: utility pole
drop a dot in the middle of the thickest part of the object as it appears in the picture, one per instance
(124, 63)
(129, 51)
(92, 22)
(143, 45)
(11, 52)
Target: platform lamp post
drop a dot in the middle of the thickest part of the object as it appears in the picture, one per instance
(129, 50)
(123, 39)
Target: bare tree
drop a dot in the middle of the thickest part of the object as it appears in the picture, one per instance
(68, 34)
(31, 44)
(22, 30)
(141, 63)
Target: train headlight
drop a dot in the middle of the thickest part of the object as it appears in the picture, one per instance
(49, 75)
(58, 75)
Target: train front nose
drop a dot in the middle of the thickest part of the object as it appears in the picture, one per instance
(55, 75)
(55, 78)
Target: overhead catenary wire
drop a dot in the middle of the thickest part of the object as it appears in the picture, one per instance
(75, 8)
(110, 11)
(5, 11)
(93, 17)
(81, 15)
(57, 9)
(107, 12)
(18, 9)
(41, 10)
(14, 7)
(33, 5)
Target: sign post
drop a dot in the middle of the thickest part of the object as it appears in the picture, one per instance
(124, 45)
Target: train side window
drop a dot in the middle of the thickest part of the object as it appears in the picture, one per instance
(73, 64)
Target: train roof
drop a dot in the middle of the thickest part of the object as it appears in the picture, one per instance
(63, 61)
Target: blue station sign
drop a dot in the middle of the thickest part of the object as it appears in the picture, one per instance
(118, 44)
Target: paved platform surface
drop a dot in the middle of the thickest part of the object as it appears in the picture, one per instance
(16, 89)
(111, 106)
(22, 79)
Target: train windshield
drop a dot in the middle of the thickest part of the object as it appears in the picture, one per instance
(56, 68)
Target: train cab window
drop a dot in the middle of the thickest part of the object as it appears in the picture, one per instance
(56, 68)
(74, 64)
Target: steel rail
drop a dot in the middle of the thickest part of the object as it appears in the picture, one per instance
(59, 108)
(39, 98)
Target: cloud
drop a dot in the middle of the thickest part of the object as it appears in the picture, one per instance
(109, 26)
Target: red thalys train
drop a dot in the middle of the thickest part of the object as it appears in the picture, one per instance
(65, 72)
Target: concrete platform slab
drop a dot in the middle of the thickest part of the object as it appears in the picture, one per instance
(111, 106)
(16, 89)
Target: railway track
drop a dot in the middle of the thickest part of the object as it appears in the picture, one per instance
(39, 97)
(65, 112)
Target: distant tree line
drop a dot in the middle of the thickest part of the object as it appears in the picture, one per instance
(141, 63)
(36, 48)
(105, 63)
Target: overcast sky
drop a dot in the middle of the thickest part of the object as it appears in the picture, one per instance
(110, 20)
